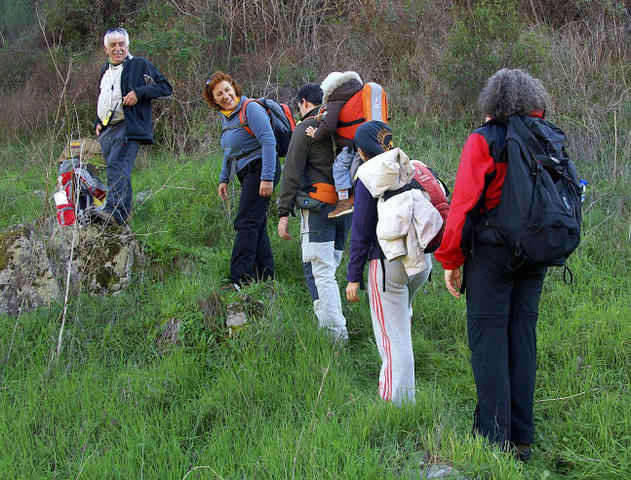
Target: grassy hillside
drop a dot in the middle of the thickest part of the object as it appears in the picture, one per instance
(278, 400)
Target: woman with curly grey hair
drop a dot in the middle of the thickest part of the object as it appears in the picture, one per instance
(502, 303)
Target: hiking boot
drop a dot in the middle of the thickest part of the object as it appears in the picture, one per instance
(101, 217)
(522, 452)
(343, 207)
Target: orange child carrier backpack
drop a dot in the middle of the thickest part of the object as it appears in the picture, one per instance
(369, 103)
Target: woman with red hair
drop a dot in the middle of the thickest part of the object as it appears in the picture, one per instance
(252, 154)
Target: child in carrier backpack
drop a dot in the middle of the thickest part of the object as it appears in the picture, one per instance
(342, 112)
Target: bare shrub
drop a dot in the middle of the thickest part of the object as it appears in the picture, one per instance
(558, 14)
(432, 57)
(415, 83)
(27, 109)
(589, 79)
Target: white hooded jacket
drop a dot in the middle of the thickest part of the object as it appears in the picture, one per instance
(407, 221)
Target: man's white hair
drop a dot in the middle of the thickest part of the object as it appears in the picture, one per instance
(116, 32)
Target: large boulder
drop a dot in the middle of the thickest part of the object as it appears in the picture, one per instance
(35, 260)
(103, 257)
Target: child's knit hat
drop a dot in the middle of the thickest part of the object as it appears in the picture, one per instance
(374, 138)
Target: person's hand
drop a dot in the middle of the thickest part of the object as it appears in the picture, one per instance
(283, 228)
(352, 290)
(321, 114)
(266, 188)
(130, 99)
(222, 191)
(453, 281)
(99, 127)
(310, 131)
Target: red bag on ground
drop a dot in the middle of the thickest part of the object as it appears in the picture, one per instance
(65, 209)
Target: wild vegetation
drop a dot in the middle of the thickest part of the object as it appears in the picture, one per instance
(277, 399)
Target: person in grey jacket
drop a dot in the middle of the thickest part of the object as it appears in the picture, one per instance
(253, 156)
(127, 86)
(308, 169)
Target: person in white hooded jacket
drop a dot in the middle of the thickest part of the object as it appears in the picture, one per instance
(391, 288)
(407, 219)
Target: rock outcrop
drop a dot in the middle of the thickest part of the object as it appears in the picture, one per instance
(35, 259)
(26, 280)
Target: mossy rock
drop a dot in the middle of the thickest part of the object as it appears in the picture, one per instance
(104, 258)
(26, 280)
(6, 240)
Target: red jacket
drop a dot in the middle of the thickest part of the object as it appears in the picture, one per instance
(480, 164)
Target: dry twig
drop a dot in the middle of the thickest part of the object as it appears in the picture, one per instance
(569, 397)
(201, 467)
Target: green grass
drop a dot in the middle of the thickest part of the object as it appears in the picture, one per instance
(278, 400)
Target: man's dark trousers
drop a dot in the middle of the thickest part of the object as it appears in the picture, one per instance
(252, 257)
(502, 311)
(120, 155)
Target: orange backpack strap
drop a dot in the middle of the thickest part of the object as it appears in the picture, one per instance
(243, 118)
(289, 115)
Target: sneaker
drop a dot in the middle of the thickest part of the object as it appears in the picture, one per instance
(343, 207)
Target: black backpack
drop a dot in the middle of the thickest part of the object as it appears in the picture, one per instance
(539, 213)
(281, 119)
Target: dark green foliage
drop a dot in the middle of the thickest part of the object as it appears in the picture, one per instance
(491, 36)
(15, 16)
(82, 23)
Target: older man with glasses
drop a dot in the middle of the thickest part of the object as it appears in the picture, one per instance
(127, 86)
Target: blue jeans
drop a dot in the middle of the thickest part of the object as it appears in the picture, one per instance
(120, 156)
(342, 169)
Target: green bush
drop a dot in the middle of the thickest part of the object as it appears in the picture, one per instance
(489, 37)
(74, 22)
(15, 16)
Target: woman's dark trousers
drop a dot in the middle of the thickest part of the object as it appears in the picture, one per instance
(252, 257)
(502, 310)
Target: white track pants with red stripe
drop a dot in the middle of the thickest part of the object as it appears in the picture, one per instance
(391, 313)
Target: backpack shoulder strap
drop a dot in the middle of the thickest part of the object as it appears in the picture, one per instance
(243, 116)
(388, 194)
(518, 131)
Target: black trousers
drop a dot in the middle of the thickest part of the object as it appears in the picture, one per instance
(252, 257)
(502, 311)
